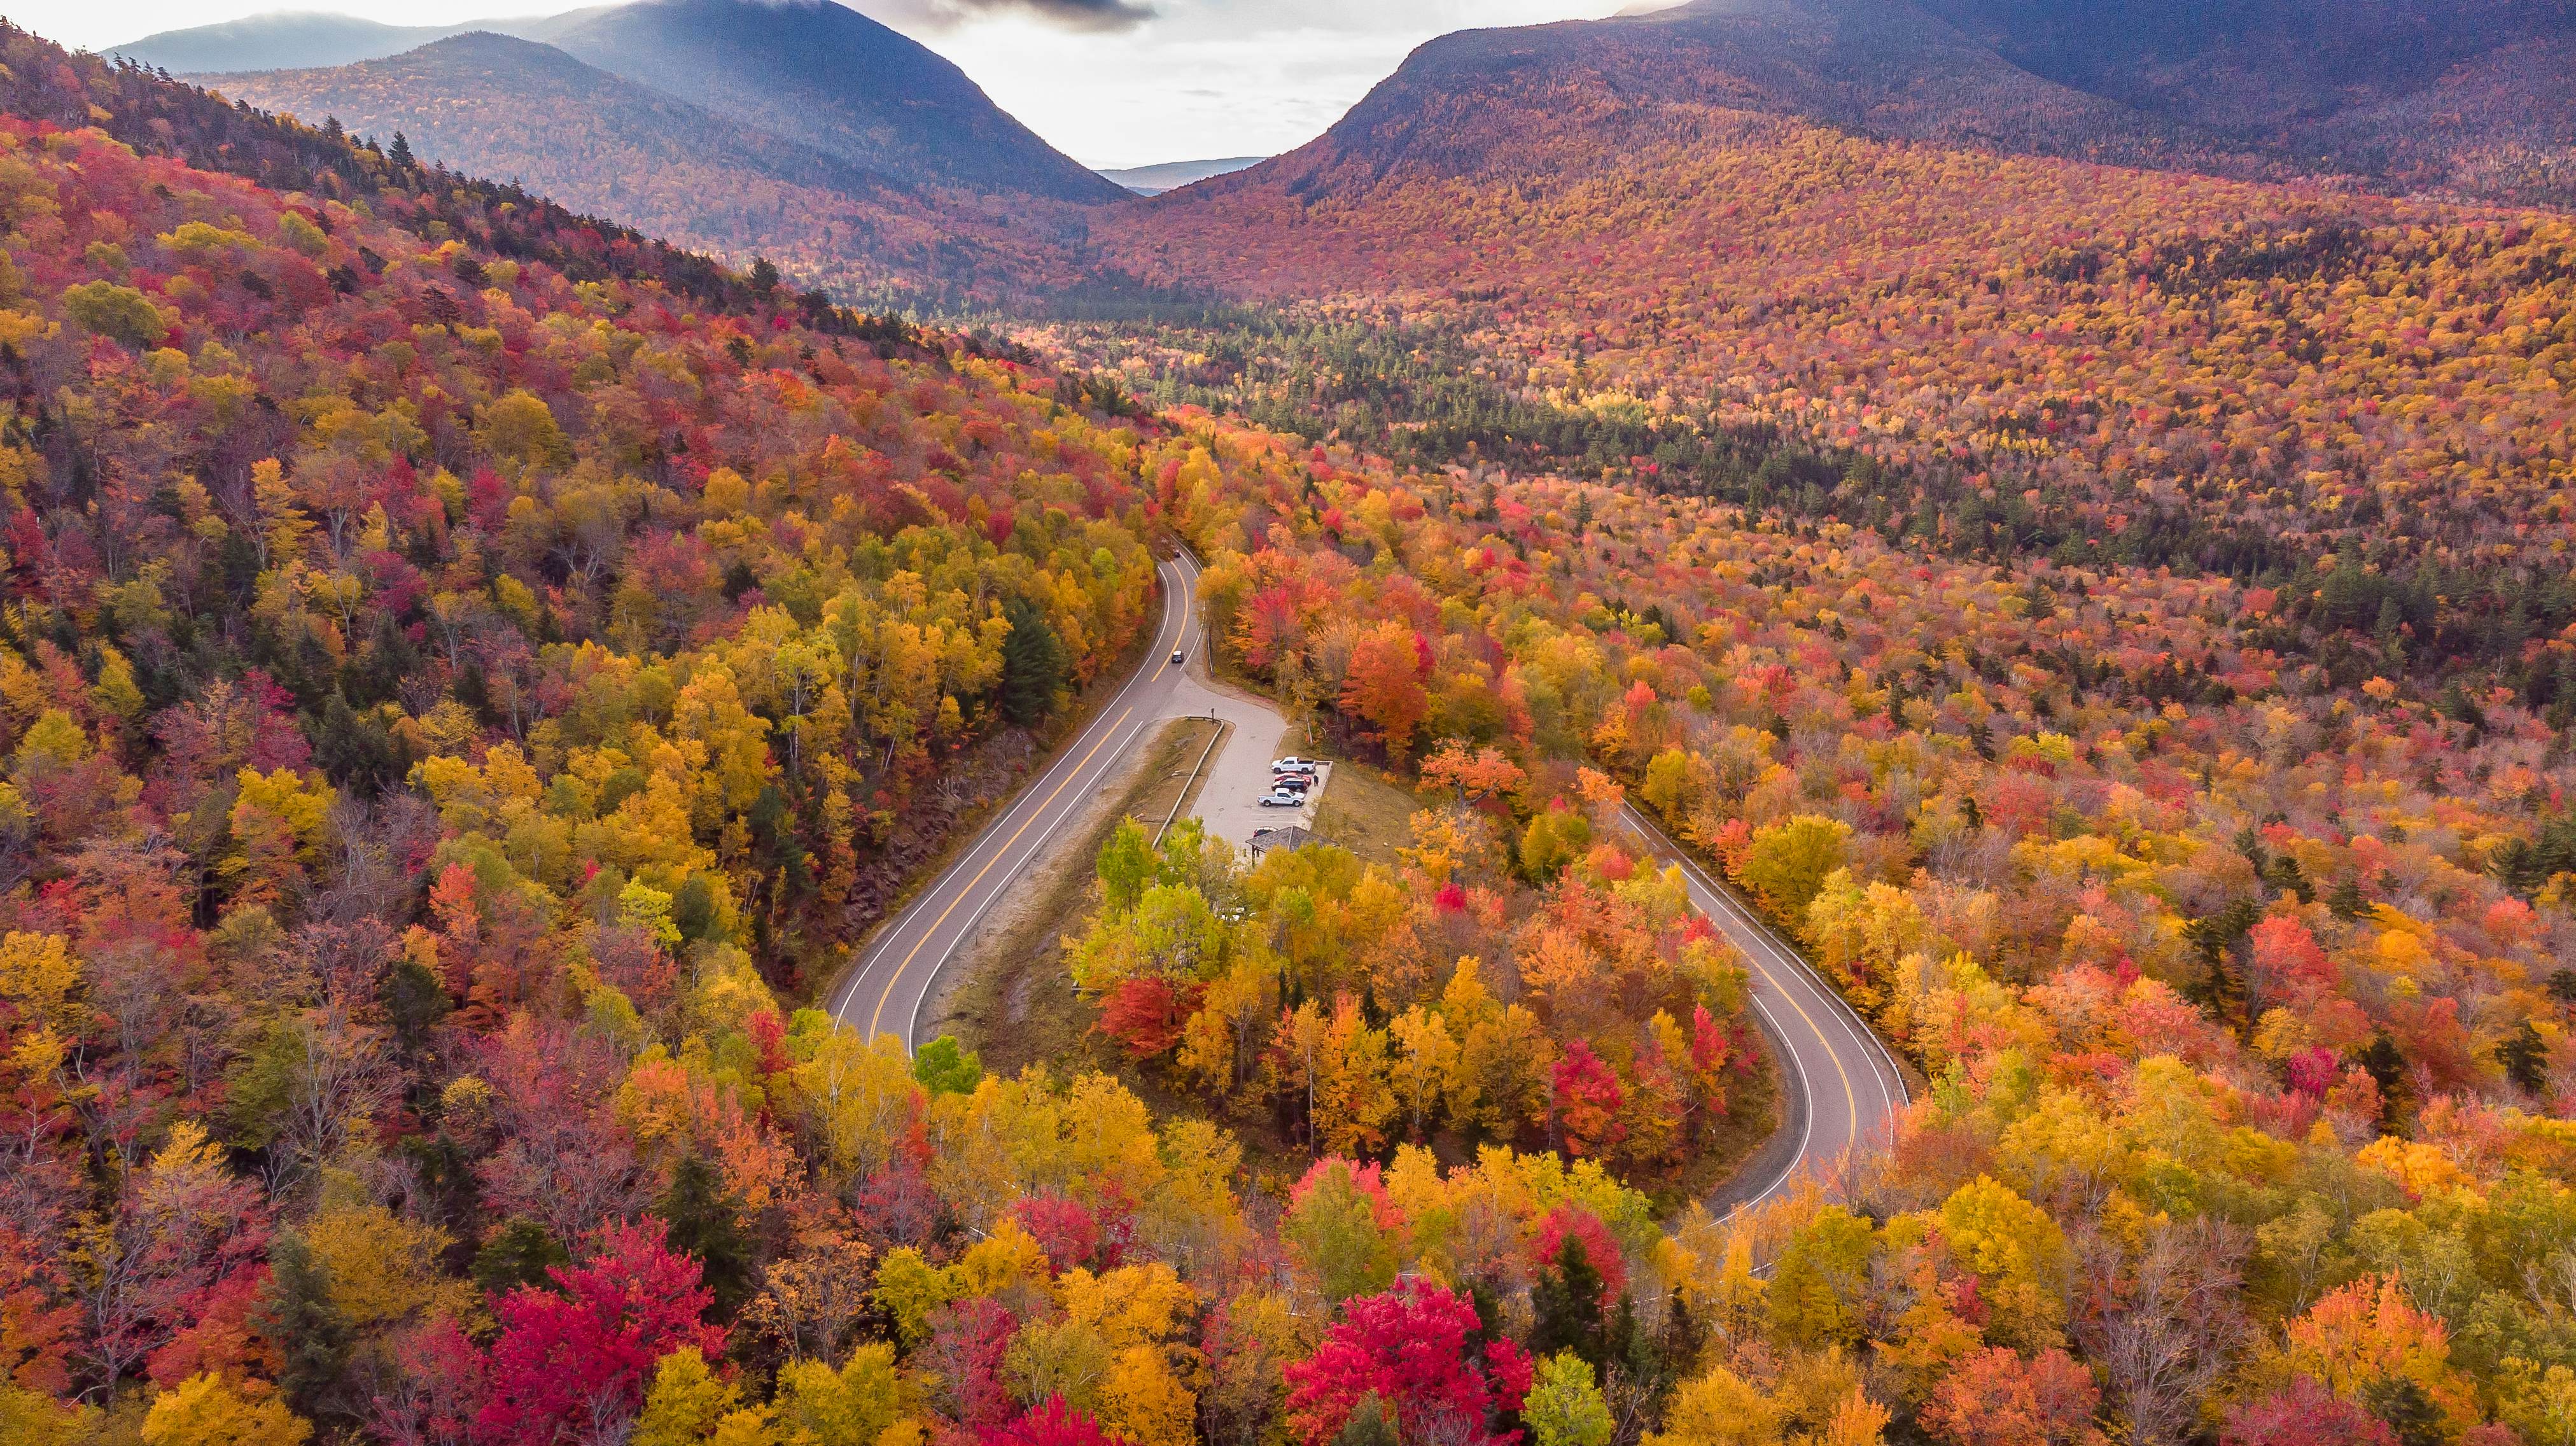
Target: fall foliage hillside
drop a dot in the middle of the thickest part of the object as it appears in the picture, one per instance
(1877, 67)
(2113, 361)
(466, 670)
(466, 667)
(494, 105)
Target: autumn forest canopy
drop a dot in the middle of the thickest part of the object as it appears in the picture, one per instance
(2079, 543)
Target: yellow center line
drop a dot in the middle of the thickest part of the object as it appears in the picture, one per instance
(1851, 1101)
(879, 1015)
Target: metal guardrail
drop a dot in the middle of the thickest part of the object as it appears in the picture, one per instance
(1184, 795)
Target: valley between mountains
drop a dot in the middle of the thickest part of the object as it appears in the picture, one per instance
(1938, 638)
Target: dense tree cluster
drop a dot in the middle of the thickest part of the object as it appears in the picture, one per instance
(2033, 354)
(1572, 1003)
(2240, 972)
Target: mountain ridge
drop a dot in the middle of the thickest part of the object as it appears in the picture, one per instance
(1164, 176)
(810, 71)
(2491, 116)
(488, 103)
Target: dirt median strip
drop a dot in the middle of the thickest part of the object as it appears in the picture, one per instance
(1004, 992)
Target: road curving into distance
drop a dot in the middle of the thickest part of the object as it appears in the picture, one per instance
(1843, 1088)
(884, 992)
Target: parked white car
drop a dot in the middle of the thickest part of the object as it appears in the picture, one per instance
(1280, 798)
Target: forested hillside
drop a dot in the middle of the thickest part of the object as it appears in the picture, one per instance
(2007, 356)
(2243, 988)
(495, 105)
(461, 666)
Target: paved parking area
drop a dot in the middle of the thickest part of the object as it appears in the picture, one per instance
(1239, 815)
(1238, 777)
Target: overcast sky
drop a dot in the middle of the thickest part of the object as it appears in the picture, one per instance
(1110, 82)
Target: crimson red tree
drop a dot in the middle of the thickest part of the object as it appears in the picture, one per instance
(1421, 1350)
(567, 1360)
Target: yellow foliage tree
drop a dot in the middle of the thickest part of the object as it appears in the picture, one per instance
(209, 1410)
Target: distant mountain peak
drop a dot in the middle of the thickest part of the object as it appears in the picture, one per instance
(1163, 176)
(810, 71)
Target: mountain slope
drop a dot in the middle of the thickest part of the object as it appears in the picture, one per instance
(1630, 227)
(811, 71)
(2398, 94)
(2472, 95)
(827, 76)
(496, 105)
(1880, 67)
(282, 40)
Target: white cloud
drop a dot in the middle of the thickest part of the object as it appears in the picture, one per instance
(1206, 78)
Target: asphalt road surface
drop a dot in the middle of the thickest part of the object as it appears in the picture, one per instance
(1843, 1088)
(884, 994)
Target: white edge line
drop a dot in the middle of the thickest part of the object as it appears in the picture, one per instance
(894, 931)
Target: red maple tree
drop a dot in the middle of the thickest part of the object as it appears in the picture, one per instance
(1419, 1349)
(566, 1360)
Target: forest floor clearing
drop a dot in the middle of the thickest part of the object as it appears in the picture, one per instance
(1367, 813)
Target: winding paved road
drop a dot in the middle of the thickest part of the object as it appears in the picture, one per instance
(899, 969)
(1844, 1089)
(885, 992)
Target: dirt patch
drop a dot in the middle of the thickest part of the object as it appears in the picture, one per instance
(1005, 993)
(1367, 813)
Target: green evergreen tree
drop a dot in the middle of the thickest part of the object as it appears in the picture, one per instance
(1369, 1424)
(519, 1253)
(1034, 663)
(415, 1003)
(2387, 1066)
(2410, 1414)
(704, 1223)
(2525, 1056)
(311, 1334)
(1567, 1303)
